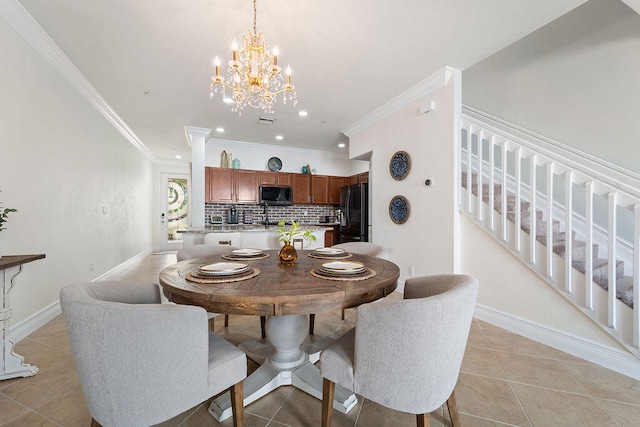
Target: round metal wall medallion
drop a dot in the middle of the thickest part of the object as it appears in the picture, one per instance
(399, 209)
(400, 165)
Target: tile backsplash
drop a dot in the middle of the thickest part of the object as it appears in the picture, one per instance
(305, 214)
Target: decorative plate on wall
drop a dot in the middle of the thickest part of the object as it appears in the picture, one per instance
(400, 165)
(274, 164)
(399, 209)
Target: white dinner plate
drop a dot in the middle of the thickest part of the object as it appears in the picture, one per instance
(223, 268)
(247, 252)
(343, 267)
(329, 251)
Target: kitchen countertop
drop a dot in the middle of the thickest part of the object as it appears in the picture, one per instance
(232, 228)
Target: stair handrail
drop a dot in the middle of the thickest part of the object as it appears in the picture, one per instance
(608, 173)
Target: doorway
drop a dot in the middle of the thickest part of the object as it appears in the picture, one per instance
(175, 210)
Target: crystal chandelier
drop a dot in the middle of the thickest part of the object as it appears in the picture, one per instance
(253, 75)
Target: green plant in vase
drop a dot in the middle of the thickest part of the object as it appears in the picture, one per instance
(4, 215)
(288, 254)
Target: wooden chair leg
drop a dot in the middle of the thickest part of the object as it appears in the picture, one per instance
(328, 394)
(263, 323)
(453, 410)
(312, 322)
(226, 320)
(237, 404)
(94, 423)
(211, 324)
(343, 314)
(423, 420)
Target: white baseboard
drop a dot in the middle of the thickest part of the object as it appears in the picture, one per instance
(125, 265)
(615, 359)
(34, 322)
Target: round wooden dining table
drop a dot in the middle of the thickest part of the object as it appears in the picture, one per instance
(286, 295)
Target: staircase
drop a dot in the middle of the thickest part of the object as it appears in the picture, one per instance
(624, 284)
(573, 219)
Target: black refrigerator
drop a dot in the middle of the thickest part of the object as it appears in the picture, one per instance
(354, 207)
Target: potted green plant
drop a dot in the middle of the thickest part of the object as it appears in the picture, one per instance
(288, 254)
(4, 215)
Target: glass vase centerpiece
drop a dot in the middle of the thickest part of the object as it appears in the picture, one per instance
(288, 254)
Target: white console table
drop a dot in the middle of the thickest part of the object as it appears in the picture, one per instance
(12, 365)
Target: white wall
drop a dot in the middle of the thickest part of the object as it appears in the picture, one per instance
(508, 286)
(61, 164)
(255, 156)
(574, 80)
(428, 240)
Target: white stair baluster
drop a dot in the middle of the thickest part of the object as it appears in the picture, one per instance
(469, 171)
(636, 275)
(492, 180)
(503, 193)
(588, 234)
(612, 270)
(550, 220)
(517, 208)
(480, 211)
(533, 217)
(568, 230)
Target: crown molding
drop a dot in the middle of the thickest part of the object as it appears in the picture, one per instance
(413, 94)
(280, 148)
(19, 19)
(191, 131)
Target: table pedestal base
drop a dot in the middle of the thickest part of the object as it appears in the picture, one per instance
(284, 360)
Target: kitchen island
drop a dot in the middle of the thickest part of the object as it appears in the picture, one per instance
(248, 235)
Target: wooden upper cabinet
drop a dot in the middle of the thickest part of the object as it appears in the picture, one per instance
(223, 185)
(219, 185)
(301, 184)
(363, 177)
(335, 183)
(319, 189)
(246, 186)
(275, 178)
(353, 179)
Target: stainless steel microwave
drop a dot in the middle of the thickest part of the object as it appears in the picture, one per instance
(276, 196)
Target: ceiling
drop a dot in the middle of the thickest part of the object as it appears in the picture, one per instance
(151, 60)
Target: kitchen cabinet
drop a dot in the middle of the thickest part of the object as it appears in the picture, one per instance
(363, 177)
(335, 183)
(301, 184)
(275, 178)
(319, 189)
(218, 185)
(224, 185)
(332, 236)
(353, 179)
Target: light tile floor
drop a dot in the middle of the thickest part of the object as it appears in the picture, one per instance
(506, 380)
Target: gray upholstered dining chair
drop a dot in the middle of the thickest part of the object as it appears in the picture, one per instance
(405, 354)
(209, 249)
(141, 362)
(362, 248)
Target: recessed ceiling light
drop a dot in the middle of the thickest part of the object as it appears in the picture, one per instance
(178, 156)
(220, 130)
(303, 113)
(227, 100)
(279, 137)
(342, 145)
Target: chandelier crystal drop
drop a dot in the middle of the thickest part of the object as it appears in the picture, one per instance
(254, 75)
